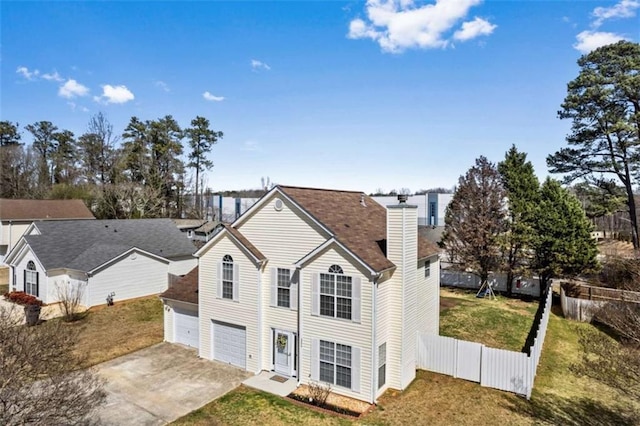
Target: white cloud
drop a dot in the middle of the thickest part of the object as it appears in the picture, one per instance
(164, 86)
(208, 96)
(29, 75)
(259, 65)
(623, 9)
(473, 29)
(53, 77)
(72, 88)
(114, 94)
(590, 40)
(397, 25)
(251, 146)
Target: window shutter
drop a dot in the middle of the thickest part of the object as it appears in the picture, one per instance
(274, 286)
(315, 359)
(37, 284)
(24, 281)
(293, 292)
(315, 294)
(236, 282)
(355, 369)
(219, 281)
(356, 302)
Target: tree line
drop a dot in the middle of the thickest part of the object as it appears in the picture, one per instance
(138, 173)
(501, 219)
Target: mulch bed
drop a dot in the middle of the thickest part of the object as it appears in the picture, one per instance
(336, 404)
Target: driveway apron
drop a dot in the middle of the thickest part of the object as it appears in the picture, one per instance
(159, 384)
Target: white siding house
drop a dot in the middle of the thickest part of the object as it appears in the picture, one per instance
(106, 259)
(17, 215)
(320, 285)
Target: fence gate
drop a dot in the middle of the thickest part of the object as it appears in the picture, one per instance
(469, 360)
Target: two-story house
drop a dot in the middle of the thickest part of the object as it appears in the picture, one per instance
(317, 284)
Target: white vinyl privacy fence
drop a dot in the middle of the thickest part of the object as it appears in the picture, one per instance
(495, 368)
(529, 286)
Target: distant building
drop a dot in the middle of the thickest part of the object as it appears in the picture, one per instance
(431, 206)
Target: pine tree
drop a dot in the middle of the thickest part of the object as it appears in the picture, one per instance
(522, 188)
(562, 244)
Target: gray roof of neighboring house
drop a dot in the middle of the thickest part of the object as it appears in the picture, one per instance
(86, 244)
(207, 227)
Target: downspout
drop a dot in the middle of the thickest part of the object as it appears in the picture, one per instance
(10, 246)
(374, 344)
(404, 278)
(260, 301)
(299, 339)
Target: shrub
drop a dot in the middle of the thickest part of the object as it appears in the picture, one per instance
(22, 298)
(318, 393)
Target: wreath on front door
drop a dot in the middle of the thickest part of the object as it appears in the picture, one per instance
(281, 341)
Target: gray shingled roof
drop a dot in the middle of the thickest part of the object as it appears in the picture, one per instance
(87, 244)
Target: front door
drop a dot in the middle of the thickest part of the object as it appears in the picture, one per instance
(283, 352)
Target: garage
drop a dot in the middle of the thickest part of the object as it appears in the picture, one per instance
(186, 327)
(229, 343)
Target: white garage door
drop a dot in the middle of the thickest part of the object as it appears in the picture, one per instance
(186, 323)
(229, 343)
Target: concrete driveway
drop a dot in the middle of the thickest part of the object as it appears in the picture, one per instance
(161, 383)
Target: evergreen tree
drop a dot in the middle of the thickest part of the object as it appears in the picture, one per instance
(522, 188)
(603, 103)
(44, 144)
(201, 140)
(562, 244)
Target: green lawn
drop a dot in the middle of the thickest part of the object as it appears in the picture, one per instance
(559, 397)
(502, 323)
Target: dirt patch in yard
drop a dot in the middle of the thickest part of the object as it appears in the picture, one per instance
(448, 303)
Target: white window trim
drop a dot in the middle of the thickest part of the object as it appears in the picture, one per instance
(355, 368)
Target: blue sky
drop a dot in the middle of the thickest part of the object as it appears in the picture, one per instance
(348, 95)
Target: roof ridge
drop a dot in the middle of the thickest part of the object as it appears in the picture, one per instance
(321, 189)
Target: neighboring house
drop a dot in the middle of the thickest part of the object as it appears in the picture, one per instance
(121, 259)
(316, 284)
(17, 215)
(206, 231)
(188, 226)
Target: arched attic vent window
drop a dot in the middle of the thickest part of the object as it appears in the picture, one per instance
(335, 269)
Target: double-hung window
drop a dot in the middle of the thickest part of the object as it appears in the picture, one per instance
(284, 287)
(335, 363)
(427, 268)
(227, 277)
(336, 292)
(382, 365)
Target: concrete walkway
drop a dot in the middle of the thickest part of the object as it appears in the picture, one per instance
(159, 384)
(264, 382)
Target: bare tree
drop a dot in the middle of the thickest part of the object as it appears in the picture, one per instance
(41, 381)
(70, 297)
(475, 220)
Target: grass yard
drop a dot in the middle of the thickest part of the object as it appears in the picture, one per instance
(559, 396)
(502, 323)
(108, 332)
